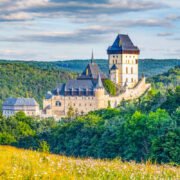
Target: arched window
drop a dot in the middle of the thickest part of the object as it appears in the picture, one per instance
(58, 103)
(126, 70)
(131, 70)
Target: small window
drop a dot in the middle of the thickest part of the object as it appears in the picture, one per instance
(131, 70)
(58, 103)
(136, 61)
(126, 70)
(131, 79)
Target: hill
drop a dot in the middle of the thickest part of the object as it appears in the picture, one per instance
(20, 79)
(149, 67)
(24, 164)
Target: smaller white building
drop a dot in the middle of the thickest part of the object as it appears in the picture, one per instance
(13, 105)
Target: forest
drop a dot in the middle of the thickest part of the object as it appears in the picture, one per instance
(147, 128)
(23, 80)
(148, 67)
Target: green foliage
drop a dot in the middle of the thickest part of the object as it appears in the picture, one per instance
(173, 100)
(44, 147)
(24, 131)
(166, 148)
(110, 87)
(21, 80)
(6, 138)
(149, 67)
(116, 134)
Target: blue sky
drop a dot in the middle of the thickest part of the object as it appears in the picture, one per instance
(62, 29)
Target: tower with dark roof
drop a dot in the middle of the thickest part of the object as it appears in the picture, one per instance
(123, 61)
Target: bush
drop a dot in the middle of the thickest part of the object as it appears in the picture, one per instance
(110, 87)
(44, 147)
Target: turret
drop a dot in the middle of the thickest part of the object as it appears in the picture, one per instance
(99, 92)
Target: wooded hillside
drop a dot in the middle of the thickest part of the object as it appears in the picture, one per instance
(21, 80)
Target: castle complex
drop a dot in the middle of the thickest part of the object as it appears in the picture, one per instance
(87, 93)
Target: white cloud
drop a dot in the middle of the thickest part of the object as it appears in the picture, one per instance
(83, 9)
(165, 34)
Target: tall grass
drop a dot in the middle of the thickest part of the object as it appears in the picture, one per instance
(24, 164)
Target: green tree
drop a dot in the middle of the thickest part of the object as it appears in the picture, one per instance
(166, 148)
(110, 87)
(6, 138)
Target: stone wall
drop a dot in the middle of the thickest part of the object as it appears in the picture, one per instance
(130, 94)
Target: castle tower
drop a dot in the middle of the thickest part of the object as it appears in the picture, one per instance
(99, 92)
(123, 61)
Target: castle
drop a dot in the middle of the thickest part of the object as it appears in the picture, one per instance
(87, 93)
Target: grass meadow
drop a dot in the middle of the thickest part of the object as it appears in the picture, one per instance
(25, 164)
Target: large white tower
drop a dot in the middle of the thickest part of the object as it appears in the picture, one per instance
(123, 61)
